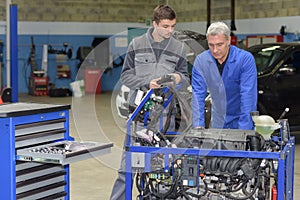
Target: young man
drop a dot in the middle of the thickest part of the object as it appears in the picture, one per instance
(229, 75)
(148, 58)
(155, 54)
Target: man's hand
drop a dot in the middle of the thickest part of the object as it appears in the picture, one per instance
(153, 83)
(177, 77)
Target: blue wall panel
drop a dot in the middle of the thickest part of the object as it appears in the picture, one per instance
(109, 78)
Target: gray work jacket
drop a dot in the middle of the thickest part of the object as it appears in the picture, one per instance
(146, 60)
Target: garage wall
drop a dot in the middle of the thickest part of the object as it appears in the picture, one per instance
(77, 22)
(114, 16)
(140, 10)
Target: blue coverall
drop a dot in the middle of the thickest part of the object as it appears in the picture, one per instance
(234, 93)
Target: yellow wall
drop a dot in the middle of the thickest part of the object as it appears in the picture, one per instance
(141, 10)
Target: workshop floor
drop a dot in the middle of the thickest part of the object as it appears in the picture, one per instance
(93, 118)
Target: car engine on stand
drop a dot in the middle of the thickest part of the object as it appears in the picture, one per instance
(202, 163)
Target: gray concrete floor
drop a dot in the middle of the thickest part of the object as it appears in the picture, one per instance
(94, 118)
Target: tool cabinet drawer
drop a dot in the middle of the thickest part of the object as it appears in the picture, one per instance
(63, 152)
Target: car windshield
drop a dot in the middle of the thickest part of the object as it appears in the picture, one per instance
(265, 57)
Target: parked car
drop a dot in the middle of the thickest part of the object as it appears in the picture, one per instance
(278, 68)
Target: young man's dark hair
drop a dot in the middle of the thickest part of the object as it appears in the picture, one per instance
(163, 12)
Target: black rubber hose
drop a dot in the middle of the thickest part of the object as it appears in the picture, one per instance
(255, 145)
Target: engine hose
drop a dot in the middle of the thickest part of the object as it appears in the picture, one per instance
(255, 145)
(253, 190)
(248, 195)
(244, 182)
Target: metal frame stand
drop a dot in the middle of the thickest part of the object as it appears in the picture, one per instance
(284, 157)
(285, 160)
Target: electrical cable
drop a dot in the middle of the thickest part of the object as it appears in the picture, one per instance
(169, 115)
(248, 196)
(199, 195)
